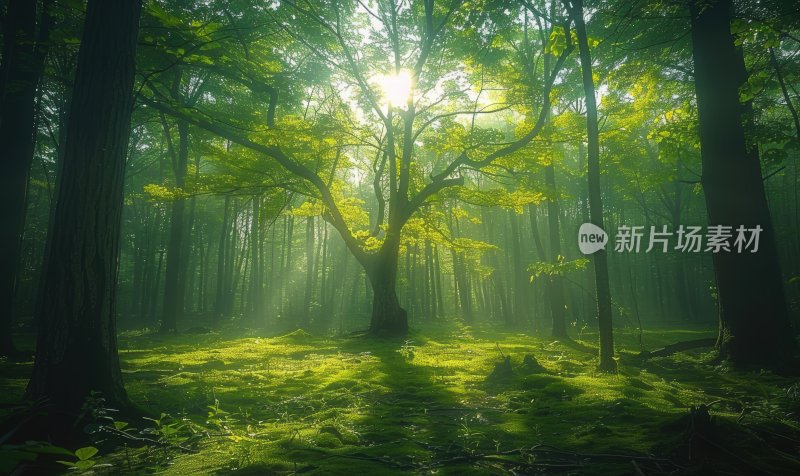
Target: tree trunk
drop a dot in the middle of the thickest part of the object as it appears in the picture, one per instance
(430, 277)
(600, 258)
(555, 285)
(753, 319)
(76, 350)
(388, 317)
(23, 60)
(521, 284)
(310, 272)
(219, 301)
(256, 289)
(174, 281)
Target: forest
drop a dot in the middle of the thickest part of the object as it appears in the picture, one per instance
(507, 237)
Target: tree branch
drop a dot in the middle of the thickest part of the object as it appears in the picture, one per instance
(333, 215)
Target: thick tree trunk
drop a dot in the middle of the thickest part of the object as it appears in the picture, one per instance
(76, 350)
(600, 258)
(753, 318)
(23, 59)
(388, 317)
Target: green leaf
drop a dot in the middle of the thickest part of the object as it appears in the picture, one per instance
(86, 452)
(120, 425)
(84, 464)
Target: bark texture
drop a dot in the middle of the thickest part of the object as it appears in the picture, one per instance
(754, 325)
(23, 60)
(76, 349)
(600, 258)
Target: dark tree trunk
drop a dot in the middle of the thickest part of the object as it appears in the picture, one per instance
(23, 60)
(753, 319)
(388, 317)
(600, 258)
(76, 350)
(174, 279)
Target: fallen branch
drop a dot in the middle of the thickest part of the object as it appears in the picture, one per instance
(678, 347)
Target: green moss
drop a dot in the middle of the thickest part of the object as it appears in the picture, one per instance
(323, 405)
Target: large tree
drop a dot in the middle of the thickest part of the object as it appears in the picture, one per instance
(419, 149)
(76, 351)
(24, 51)
(753, 318)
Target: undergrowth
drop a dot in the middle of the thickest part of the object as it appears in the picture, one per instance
(240, 403)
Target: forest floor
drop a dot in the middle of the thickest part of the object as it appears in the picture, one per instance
(238, 403)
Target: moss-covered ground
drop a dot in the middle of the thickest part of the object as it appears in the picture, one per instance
(241, 403)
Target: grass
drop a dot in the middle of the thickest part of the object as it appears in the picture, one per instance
(248, 404)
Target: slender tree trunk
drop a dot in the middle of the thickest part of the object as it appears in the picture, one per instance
(189, 256)
(256, 289)
(430, 277)
(323, 283)
(753, 318)
(600, 258)
(222, 254)
(286, 300)
(438, 282)
(153, 303)
(309, 291)
(174, 278)
(555, 284)
(521, 283)
(76, 350)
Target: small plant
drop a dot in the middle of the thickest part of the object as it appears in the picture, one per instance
(84, 459)
(218, 417)
(166, 429)
(468, 435)
(407, 349)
